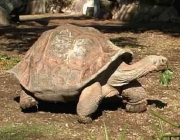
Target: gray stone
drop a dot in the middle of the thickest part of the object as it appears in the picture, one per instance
(156, 10)
(36, 7)
(164, 2)
(10, 5)
(167, 14)
(4, 17)
(13, 8)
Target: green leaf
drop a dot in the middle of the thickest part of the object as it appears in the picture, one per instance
(4, 57)
(166, 77)
(7, 62)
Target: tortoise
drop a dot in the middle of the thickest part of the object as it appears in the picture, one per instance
(81, 64)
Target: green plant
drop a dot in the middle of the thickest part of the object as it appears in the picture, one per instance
(162, 135)
(166, 77)
(123, 134)
(4, 57)
(27, 132)
(7, 62)
(106, 133)
(121, 137)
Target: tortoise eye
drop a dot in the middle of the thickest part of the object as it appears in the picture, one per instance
(163, 60)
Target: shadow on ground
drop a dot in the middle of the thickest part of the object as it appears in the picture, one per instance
(108, 104)
(112, 104)
(23, 38)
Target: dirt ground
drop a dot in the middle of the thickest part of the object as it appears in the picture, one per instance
(58, 121)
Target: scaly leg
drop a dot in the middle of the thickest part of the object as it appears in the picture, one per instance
(136, 97)
(90, 99)
(27, 101)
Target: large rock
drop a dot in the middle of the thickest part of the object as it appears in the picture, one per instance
(4, 17)
(167, 14)
(36, 7)
(156, 10)
(10, 5)
(145, 10)
(13, 8)
(164, 2)
(125, 12)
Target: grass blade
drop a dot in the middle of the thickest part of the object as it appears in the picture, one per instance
(122, 137)
(170, 136)
(106, 132)
(165, 120)
(161, 127)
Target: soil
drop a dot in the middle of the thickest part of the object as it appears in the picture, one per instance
(142, 38)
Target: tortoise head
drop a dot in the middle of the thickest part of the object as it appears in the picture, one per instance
(159, 62)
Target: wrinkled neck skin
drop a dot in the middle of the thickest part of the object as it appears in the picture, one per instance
(109, 91)
(126, 73)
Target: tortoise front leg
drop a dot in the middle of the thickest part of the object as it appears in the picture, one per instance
(90, 99)
(136, 96)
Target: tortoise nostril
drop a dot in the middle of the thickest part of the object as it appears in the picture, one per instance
(162, 61)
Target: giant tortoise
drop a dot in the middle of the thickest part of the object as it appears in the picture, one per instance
(81, 64)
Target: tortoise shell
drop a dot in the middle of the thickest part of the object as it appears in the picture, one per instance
(65, 59)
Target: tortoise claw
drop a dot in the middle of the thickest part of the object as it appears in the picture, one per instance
(136, 108)
(84, 120)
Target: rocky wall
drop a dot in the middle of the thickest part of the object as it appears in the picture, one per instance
(9, 11)
(4, 17)
(145, 10)
(35, 7)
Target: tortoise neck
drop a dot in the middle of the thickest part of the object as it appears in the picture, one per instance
(126, 73)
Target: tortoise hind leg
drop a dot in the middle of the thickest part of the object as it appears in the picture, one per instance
(27, 101)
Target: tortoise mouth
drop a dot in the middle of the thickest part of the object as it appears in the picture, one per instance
(164, 66)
